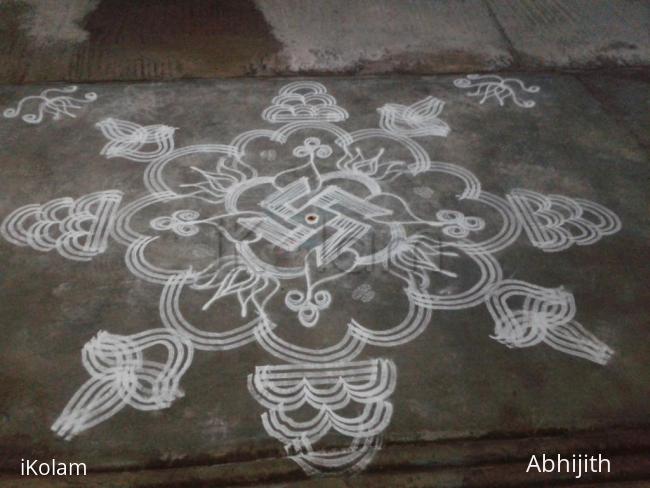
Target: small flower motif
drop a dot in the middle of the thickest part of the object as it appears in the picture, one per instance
(312, 148)
(363, 293)
(182, 223)
(308, 306)
(458, 225)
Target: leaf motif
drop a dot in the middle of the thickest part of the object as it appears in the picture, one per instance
(415, 120)
(427, 109)
(418, 256)
(358, 163)
(216, 184)
(229, 276)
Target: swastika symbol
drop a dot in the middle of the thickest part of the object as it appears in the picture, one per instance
(290, 225)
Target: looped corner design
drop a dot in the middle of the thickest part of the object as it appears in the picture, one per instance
(56, 102)
(498, 88)
(320, 213)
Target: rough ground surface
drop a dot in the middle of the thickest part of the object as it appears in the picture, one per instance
(467, 410)
(95, 40)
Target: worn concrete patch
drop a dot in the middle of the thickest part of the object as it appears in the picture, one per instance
(154, 40)
(626, 95)
(124, 40)
(576, 33)
(100, 40)
(55, 21)
(376, 36)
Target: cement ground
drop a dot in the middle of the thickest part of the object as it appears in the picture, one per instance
(465, 409)
(108, 40)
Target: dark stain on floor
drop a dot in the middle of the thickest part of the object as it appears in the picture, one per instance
(143, 40)
(153, 39)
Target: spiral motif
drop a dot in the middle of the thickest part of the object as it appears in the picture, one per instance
(308, 306)
(181, 222)
(313, 147)
(457, 225)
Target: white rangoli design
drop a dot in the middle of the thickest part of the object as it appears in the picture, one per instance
(419, 119)
(281, 240)
(494, 86)
(54, 101)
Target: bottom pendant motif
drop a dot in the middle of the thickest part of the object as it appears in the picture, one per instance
(312, 406)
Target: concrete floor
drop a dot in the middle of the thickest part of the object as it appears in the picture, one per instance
(108, 281)
(468, 411)
(106, 40)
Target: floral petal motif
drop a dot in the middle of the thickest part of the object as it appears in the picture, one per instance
(136, 142)
(215, 186)
(230, 276)
(416, 120)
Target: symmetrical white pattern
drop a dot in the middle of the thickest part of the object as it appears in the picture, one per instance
(53, 101)
(417, 120)
(77, 229)
(304, 101)
(327, 390)
(282, 241)
(128, 140)
(546, 315)
(555, 222)
(120, 376)
(494, 86)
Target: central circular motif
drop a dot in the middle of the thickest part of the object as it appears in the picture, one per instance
(293, 216)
